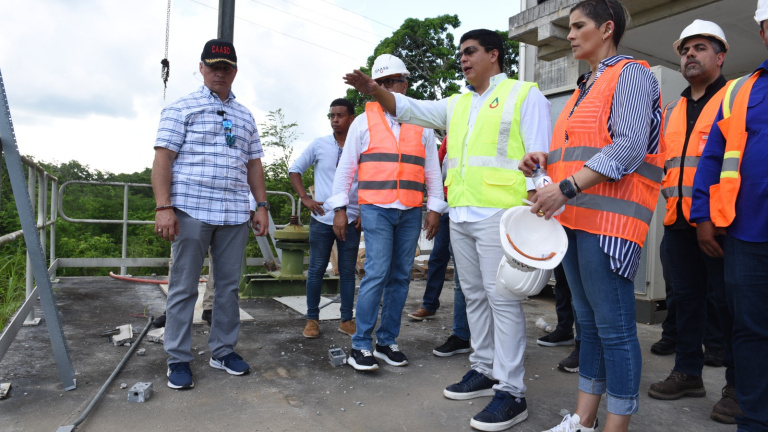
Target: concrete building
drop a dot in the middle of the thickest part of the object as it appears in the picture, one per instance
(546, 58)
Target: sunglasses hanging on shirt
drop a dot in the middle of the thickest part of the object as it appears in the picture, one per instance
(228, 135)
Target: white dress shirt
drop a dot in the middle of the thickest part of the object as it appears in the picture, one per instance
(357, 142)
(535, 128)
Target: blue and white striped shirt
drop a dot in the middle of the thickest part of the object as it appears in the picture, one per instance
(209, 178)
(634, 124)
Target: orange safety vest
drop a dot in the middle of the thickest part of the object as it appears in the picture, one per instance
(684, 165)
(618, 209)
(391, 169)
(722, 196)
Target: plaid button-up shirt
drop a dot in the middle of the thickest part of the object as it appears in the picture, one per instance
(209, 177)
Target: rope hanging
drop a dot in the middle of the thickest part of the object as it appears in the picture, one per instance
(166, 64)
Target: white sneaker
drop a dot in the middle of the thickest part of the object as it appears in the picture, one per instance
(572, 423)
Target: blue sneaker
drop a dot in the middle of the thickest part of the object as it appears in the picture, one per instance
(473, 385)
(503, 412)
(232, 363)
(180, 376)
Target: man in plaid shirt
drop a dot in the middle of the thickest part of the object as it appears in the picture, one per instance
(207, 159)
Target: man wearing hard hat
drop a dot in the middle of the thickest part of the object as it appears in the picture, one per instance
(492, 126)
(392, 162)
(730, 208)
(693, 275)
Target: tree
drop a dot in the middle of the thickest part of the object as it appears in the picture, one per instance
(429, 52)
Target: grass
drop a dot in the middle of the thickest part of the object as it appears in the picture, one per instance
(12, 286)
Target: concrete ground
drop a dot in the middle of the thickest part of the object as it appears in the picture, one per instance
(293, 386)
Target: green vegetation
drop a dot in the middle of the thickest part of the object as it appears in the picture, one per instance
(12, 283)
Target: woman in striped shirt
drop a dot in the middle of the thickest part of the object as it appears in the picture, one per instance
(605, 152)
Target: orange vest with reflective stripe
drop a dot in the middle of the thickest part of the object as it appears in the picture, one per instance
(681, 166)
(391, 169)
(722, 196)
(619, 209)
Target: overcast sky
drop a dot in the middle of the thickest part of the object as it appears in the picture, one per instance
(83, 77)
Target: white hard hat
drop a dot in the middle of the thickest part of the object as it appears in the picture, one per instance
(518, 282)
(701, 28)
(761, 14)
(532, 240)
(387, 64)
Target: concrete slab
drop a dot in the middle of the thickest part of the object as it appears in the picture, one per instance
(293, 385)
(329, 311)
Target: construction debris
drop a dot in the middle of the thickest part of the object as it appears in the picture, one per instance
(156, 335)
(140, 392)
(337, 356)
(124, 336)
(5, 388)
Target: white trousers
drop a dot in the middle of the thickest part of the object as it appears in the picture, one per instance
(497, 324)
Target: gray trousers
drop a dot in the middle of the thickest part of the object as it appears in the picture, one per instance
(208, 293)
(497, 324)
(227, 246)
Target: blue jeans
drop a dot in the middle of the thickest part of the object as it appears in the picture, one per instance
(460, 323)
(746, 282)
(321, 238)
(391, 236)
(437, 265)
(694, 276)
(604, 302)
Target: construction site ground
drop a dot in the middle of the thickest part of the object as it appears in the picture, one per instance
(293, 385)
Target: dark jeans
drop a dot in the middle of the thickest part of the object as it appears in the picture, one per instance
(563, 303)
(695, 277)
(437, 265)
(321, 239)
(746, 281)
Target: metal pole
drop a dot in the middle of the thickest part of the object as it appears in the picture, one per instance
(42, 210)
(54, 213)
(227, 20)
(31, 181)
(123, 271)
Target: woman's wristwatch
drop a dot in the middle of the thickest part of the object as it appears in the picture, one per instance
(568, 189)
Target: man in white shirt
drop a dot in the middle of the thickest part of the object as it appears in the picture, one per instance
(490, 128)
(392, 163)
(324, 154)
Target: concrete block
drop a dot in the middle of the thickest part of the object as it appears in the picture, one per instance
(156, 335)
(125, 335)
(337, 356)
(4, 389)
(140, 392)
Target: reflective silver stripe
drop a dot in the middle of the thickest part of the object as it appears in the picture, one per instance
(690, 162)
(612, 205)
(412, 185)
(391, 184)
(667, 111)
(377, 185)
(505, 128)
(733, 92)
(583, 154)
(554, 156)
(413, 160)
(379, 157)
(493, 162)
(451, 163)
(673, 192)
(730, 164)
(451, 106)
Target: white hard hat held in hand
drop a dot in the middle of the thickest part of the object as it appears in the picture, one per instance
(703, 29)
(387, 64)
(531, 240)
(516, 282)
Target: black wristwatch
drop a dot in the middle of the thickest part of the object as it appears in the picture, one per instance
(568, 189)
(264, 204)
(340, 208)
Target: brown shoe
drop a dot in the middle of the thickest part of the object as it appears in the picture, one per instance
(421, 314)
(348, 327)
(312, 330)
(676, 386)
(727, 408)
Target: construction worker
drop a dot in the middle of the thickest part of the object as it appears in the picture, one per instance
(392, 162)
(324, 154)
(693, 274)
(730, 209)
(490, 128)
